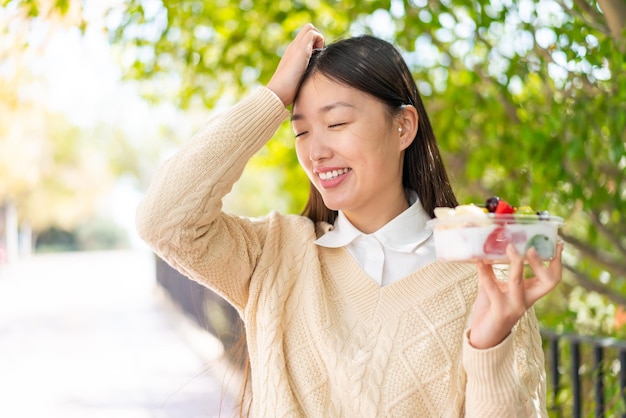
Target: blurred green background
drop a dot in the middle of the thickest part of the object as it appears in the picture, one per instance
(527, 98)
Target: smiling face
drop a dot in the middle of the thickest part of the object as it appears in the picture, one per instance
(351, 150)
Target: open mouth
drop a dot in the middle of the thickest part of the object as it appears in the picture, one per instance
(329, 175)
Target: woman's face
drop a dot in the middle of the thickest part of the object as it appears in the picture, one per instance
(351, 150)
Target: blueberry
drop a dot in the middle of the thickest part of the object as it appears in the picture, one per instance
(543, 215)
(492, 203)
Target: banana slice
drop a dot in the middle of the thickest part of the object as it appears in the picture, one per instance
(470, 209)
(444, 212)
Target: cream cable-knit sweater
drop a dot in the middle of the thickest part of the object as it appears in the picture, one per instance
(324, 340)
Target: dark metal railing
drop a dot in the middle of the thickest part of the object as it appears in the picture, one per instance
(586, 375)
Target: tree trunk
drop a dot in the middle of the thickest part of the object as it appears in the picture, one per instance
(11, 231)
(615, 13)
(25, 240)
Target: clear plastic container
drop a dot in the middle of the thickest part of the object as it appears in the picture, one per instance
(467, 238)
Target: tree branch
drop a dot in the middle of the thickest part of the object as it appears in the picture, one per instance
(589, 284)
(612, 171)
(604, 260)
(595, 19)
(588, 87)
(613, 239)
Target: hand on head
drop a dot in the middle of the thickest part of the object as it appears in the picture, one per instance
(499, 305)
(294, 62)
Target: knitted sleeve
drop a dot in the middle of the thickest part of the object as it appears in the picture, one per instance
(507, 380)
(180, 216)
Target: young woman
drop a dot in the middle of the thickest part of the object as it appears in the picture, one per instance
(347, 311)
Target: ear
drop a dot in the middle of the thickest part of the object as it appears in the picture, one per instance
(407, 123)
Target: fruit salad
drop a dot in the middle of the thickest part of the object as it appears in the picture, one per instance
(472, 232)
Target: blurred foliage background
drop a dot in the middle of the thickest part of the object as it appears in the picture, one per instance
(527, 98)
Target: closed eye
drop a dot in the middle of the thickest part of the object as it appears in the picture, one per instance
(332, 126)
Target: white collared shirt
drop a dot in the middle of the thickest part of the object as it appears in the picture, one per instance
(397, 249)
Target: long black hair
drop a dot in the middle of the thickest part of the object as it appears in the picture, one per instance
(376, 67)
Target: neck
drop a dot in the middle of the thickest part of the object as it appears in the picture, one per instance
(375, 216)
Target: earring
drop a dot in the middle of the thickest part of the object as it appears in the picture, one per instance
(400, 129)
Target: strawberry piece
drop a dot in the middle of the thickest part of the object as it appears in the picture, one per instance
(504, 208)
(500, 237)
(497, 241)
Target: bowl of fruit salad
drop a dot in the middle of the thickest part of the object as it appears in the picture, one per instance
(471, 232)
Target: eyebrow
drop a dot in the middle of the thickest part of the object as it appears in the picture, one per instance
(324, 109)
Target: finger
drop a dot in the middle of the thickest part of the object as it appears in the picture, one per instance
(549, 275)
(534, 261)
(316, 41)
(516, 273)
(545, 279)
(306, 28)
(311, 26)
(487, 281)
(556, 267)
(315, 37)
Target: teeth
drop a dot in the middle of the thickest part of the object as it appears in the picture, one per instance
(332, 174)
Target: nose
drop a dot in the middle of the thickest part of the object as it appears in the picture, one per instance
(318, 148)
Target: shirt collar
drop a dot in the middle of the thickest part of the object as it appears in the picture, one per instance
(405, 233)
